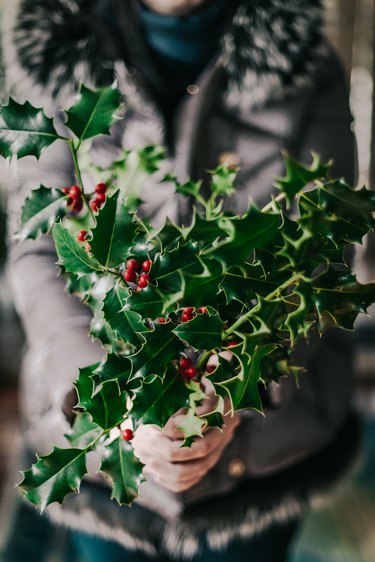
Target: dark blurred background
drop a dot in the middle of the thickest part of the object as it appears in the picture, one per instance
(343, 531)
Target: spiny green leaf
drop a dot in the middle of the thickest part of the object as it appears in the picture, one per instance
(54, 476)
(191, 427)
(299, 320)
(243, 389)
(298, 175)
(251, 231)
(339, 298)
(204, 331)
(40, 211)
(107, 406)
(149, 302)
(114, 233)
(114, 367)
(72, 257)
(24, 130)
(158, 399)
(127, 324)
(161, 347)
(125, 470)
(222, 183)
(205, 230)
(203, 289)
(84, 431)
(94, 112)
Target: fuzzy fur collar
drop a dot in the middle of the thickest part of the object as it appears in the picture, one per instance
(270, 48)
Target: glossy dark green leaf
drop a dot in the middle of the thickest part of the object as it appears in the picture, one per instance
(161, 347)
(149, 302)
(83, 431)
(40, 211)
(204, 331)
(158, 399)
(298, 175)
(106, 405)
(24, 130)
(253, 230)
(203, 289)
(243, 389)
(114, 233)
(127, 324)
(54, 476)
(124, 469)
(94, 112)
(72, 256)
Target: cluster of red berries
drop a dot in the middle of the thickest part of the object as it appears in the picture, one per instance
(75, 199)
(189, 312)
(187, 369)
(100, 197)
(137, 273)
(127, 434)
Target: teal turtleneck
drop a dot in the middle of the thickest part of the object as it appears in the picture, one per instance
(183, 45)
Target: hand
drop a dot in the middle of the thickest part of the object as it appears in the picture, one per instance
(179, 468)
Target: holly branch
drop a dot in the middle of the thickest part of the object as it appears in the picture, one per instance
(164, 301)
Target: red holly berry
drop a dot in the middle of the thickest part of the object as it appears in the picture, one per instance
(127, 434)
(66, 190)
(75, 191)
(146, 266)
(76, 205)
(129, 275)
(202, 310)
(142, 282)
(186, 317)
(185, 362)
(188, 310)
(101, 188)
(233, 343)
(191, 372)
(82, 236)
(95, 206)
(100, 198)
(162, 320)
(132, 264)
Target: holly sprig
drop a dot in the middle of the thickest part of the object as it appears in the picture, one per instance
(164, 301)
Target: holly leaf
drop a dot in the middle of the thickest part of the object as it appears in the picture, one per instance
(72, 257)
(249, 232)
(190, 188)
(158, 399)
(205, 230)
(83, 432)
(25, 130)
(161, 347)
(298, 175)
(297, 321)
(106, 405)
(338, 212)
(54, 476)
(203, 289)
(94, 112)
(114, 367)
(191, 426)
(124, 469)
(339, 298)
(204, 331)
(243, 389)
(127, 324)
(114, 233)
(149, 302)
(40, 211)
(222, 183)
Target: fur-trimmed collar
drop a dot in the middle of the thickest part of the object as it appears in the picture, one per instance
(270, 48)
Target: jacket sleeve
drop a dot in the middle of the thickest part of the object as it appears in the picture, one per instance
(309, 416)
(56, 325)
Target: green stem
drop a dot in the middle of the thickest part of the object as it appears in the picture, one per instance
(74, 151)
(296, 277)
(270, 205)
(203, 359)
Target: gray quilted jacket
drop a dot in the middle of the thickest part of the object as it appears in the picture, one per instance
(275, 84)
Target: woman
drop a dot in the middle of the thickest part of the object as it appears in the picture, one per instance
(215, 81)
